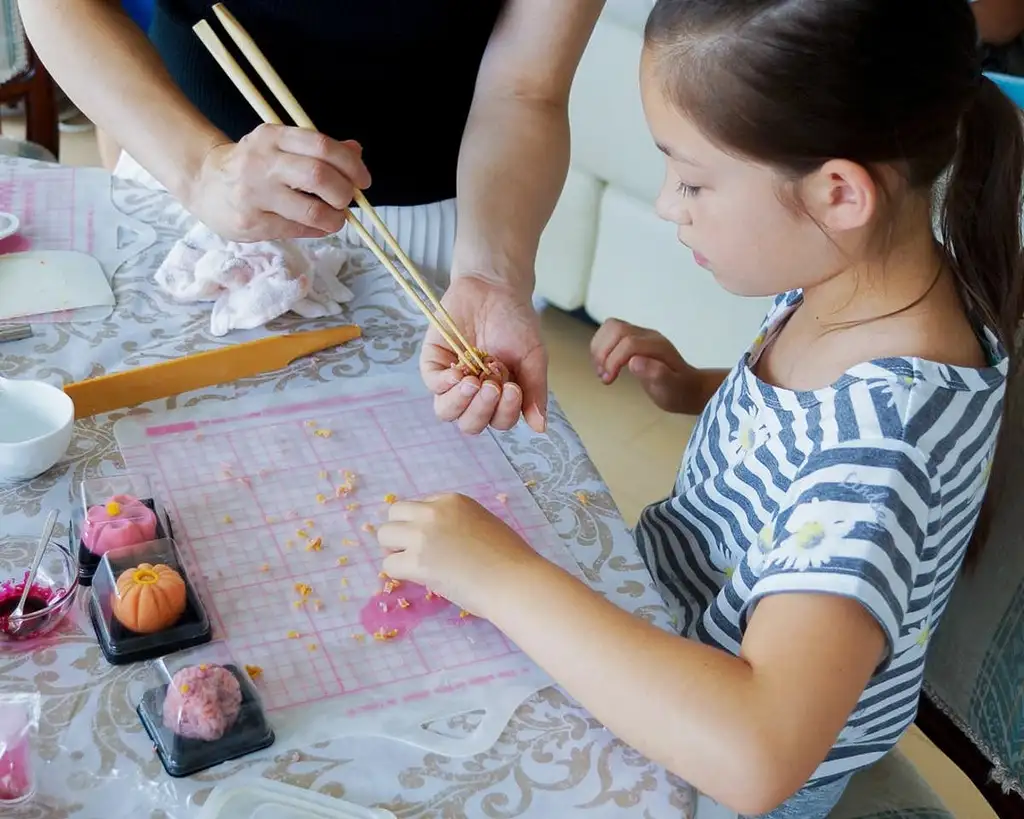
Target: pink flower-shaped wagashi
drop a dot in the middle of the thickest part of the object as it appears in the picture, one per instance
(123, 521)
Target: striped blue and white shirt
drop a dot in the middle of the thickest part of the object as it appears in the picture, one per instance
(869, 489)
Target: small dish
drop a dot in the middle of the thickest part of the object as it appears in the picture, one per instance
(51, 595)
(38, 422)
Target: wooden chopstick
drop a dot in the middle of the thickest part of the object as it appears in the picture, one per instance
(467, 353)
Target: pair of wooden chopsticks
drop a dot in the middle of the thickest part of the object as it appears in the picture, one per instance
(468, 355)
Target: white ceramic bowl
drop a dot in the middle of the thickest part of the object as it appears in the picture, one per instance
(36, 422)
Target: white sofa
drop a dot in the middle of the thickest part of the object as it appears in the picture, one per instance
(605, 250)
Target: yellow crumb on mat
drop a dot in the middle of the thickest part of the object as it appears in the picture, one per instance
(352, 507)
(342, 560)
(226, 519)
(347, 541)
(359, 637)
(293, 635)
(344, 582)
(321, 497)
(384, 634)
(323, 433)
(315, 545)
(318, 605)
(311, 647)
(298, 604)
(391, 497)
(382, 575)
(530, 483)
(583, 498)
(369, 527)
(265, 567)
(311, 523)
(289, 544)
(501, 497)
(184, 689)
(310, 423)
(343, 598)
(270, 519)
(464, 614)
(303, 589)
(254, 672)
(323, 474)
(301, 533)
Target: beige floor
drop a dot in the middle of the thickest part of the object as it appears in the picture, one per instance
(637, 449)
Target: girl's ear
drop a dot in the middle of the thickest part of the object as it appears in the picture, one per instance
(840, 195)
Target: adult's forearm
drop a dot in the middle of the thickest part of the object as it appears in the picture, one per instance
(512, 167)
(105, 64)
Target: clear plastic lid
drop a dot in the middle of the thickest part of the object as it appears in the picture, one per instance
(143, 604)
(115, 512)
(19, 716)
(269, 799)
(201, 709)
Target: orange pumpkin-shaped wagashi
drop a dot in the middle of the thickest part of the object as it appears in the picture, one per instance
(149, 598)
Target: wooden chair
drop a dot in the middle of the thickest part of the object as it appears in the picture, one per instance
(35, 87)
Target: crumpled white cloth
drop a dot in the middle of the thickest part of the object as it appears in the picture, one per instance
(252, 283)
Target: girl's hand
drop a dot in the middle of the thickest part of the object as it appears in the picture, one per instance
(453, 546)
(669, 381)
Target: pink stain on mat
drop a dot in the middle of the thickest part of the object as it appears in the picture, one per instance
(373, 618)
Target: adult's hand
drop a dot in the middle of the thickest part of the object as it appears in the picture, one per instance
(501, 321)
(278, 182)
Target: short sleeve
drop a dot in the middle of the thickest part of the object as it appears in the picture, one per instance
(854, 523)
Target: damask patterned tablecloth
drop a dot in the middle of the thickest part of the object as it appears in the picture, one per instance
(92, 758)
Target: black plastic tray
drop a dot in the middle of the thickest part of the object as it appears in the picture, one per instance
(185, 757)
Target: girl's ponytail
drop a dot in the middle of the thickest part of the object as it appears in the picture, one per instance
(981, 212)
(981, 231)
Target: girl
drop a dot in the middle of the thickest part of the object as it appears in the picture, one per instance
(832, 484)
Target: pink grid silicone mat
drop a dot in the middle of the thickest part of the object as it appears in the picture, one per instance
(251, 484)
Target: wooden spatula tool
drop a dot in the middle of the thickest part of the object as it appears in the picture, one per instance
(106, 393)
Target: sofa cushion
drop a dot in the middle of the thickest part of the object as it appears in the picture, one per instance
(642, 274)
(890, 789)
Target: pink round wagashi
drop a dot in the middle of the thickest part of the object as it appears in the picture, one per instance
(203, 702)
(123, 521)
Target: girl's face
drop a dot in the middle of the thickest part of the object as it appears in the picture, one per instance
(729, 211)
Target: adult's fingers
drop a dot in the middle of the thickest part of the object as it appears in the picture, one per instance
(315, 177)
(510, 407)
(532, 377)
(450, 405)
(436, 368)
(303, 209)
(346, 157)
(481, 409)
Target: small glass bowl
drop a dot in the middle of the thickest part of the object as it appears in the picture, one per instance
(53, 590)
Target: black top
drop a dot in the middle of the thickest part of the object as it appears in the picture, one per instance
(395, 75)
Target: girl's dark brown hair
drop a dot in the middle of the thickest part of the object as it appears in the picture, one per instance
(897, 83)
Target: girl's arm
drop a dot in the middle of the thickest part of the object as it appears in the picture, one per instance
(747, 731)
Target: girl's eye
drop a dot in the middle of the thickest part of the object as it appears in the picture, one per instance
(687, 190)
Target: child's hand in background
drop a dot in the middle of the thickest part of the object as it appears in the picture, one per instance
(669, 381)
(453, 546)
